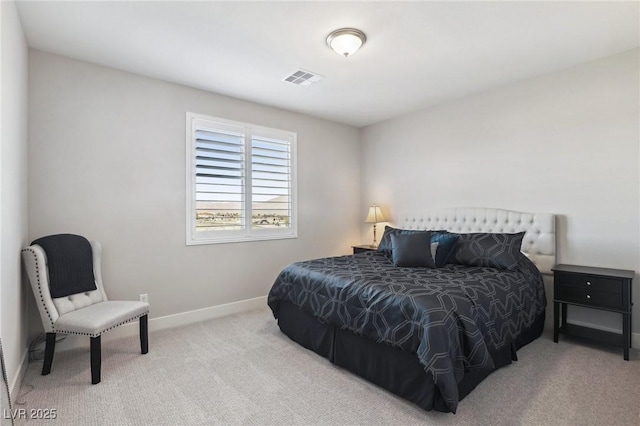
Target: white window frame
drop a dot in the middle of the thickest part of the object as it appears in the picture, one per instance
(194, 237)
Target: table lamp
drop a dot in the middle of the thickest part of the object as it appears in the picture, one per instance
(374, 216)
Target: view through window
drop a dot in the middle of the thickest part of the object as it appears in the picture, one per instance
(242, 181)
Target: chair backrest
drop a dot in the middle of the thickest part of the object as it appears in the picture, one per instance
(35, 260)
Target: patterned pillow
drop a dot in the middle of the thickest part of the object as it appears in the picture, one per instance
(412, 250)
(483, 249)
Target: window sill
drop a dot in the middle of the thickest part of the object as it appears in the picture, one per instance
(253, 238)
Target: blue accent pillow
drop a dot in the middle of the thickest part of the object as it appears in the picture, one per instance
(446, 244)
(493, 250)
(412, 250)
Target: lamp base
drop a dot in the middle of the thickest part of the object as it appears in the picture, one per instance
(375, 240)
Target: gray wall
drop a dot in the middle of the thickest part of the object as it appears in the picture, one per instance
(564, 143)
(107, 160)
(13, 193)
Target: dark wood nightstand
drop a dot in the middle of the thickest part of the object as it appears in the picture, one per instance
(596, 288)
(363, 248)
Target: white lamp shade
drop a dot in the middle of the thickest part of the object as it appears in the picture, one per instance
(346, 41)
(346, 44)
(375, 215)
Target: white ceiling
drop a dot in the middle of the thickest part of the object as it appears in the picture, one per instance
(418, 54)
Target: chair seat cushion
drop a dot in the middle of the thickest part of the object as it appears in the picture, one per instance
(100, 317)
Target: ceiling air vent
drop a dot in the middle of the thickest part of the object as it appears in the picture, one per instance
(303, 78)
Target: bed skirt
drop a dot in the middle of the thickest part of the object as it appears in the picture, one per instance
(391, 368)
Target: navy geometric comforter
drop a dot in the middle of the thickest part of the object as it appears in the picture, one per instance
(452, 318)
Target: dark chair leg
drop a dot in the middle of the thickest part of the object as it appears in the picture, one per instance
(144, 334)
(96, 360)
(48, 353)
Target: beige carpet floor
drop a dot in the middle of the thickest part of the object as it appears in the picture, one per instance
(242, 370)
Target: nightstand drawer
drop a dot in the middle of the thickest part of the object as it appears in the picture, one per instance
(591, 282)
(587, 296)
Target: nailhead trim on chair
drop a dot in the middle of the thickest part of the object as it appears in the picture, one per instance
(30, 250)
(103, 331)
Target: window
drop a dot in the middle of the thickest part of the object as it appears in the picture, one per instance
(240, 181)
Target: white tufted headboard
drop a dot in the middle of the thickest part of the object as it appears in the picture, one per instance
(539, 242)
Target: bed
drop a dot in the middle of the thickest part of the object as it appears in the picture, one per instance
(428, 334)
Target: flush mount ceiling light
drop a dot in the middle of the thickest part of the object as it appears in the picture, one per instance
(346, 41)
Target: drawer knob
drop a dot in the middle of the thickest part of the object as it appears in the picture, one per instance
(588, 296)
(588, 282)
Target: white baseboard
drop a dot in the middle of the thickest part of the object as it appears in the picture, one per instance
(14, 386)
(595, 326)
(189, 317)
(168, 321)
(635, 337)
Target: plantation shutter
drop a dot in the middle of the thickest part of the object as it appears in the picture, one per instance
(240, 182)
(220, 180)
(271, 183)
